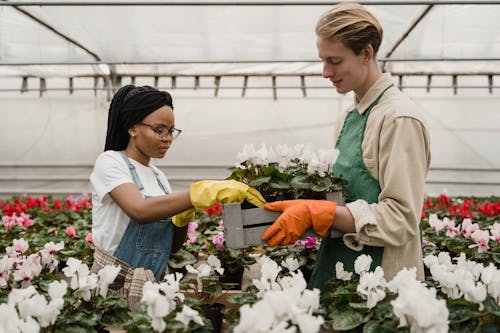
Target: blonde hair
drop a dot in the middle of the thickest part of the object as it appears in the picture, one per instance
(351, 24)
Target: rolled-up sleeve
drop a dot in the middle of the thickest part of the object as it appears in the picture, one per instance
(403, 162)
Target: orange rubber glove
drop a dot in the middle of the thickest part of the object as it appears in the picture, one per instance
(297, 217)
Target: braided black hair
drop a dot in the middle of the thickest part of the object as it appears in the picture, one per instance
(129, 106)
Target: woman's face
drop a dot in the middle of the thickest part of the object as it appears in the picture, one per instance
(148, 140)
(346, 70)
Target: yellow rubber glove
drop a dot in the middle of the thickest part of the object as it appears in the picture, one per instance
(182, 219)
(206, 193)
(297, 217)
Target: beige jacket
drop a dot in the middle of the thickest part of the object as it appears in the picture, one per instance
(396, 151)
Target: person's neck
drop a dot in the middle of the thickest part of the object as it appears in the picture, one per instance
(136, 155)
(373, 75)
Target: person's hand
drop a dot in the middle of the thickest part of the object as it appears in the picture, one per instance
(182, 219)
(206, 193)
(297, 217)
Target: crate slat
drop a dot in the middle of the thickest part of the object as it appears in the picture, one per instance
(244, 227)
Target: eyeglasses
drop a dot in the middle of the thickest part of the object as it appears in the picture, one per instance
(163, 131)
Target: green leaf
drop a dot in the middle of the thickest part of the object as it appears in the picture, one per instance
(347, 320)
(279, 184)
(470, 326)
(301, 182)
(358, 305)
(489, 328)
(322, 185)
(491, 306)
(496, 258)
(181, 259)
(259, 181)
(461, 310)
(374, 326)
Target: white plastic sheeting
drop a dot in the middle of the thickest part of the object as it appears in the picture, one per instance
(49, 143)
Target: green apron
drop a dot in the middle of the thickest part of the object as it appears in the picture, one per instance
(362, 185)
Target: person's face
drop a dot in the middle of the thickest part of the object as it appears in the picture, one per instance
(346, 70)
(155, 133)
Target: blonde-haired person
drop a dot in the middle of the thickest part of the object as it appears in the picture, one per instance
(384, 154)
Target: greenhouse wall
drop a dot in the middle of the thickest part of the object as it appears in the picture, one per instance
(50, 142)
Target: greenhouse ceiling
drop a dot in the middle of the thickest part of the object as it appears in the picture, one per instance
(115, 39)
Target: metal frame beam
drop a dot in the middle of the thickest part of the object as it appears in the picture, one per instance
(407, 32)
(240, 3)
(54, 30)
(189, 62)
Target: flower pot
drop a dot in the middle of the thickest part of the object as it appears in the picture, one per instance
(213, 312)
(244, 227)
(234, 277)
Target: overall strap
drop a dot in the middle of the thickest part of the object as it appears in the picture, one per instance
(157, 176)
(133, 172)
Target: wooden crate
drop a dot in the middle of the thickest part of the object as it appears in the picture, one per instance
(244, 227)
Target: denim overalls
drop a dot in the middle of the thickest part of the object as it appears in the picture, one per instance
(146, 245)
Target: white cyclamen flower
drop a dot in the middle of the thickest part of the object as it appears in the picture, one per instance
(433, 317)
(107, 275)
(491, 278)
(9, 319)
(340, 273)
(362, 263)
(372, 286)
(405, 278)
(187, 315)
(269, 271)
(290, 263)
(215, 264)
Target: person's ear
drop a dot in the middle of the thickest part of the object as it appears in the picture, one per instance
(131, 131)
(368, 53)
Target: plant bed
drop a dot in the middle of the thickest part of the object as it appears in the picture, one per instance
(244, 227)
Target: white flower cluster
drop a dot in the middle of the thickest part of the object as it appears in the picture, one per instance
(84, 282)
(319, 161)
(28, 311)
(372, 285)
(285, 305)
(212, 265)
(466, 278)
(162, 298)
(431, 318)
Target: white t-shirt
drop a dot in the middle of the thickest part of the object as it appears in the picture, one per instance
(109, 221)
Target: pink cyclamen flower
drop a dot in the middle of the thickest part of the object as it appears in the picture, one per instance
(495, 232)
(468, 228)
(24, 221)
(428, 244)
(19, 246)
(191, 239)
(9, 221)
(451, 229)
(192, 226)
(436, 223)
(89, 239)
(310, 242)
(70, 231)
(218, 240)
(481, 237)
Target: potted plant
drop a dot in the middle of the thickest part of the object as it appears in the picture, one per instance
(281, 173)
(204, 288)
(206, 235)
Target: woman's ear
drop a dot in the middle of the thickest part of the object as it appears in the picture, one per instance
(131, 131)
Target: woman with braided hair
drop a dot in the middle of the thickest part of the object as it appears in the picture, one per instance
(137, 222)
